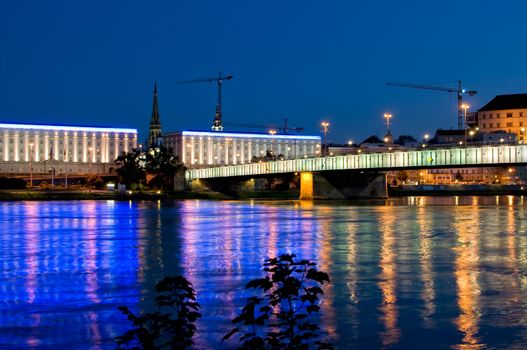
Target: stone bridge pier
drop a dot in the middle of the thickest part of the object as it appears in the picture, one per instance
(343, 185)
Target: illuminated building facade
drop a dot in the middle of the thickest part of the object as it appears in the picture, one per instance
(66, 149)
(204, 148)
(505, 113)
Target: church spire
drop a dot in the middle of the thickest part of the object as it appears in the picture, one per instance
(155, 123)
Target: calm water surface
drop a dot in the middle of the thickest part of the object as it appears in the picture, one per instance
(406, 273)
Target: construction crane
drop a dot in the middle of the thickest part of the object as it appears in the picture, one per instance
(217, 123)
(284, 128)
(458, 90)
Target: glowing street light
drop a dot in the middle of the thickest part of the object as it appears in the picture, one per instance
(272, 132)
(325, 129)
(465, 107)
(388, 116)
(350, 143)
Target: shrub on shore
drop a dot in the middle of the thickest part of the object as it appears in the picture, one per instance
(278, 315)
(158, 330)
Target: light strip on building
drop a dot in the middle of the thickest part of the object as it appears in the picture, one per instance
(64, 128)
(243, 135)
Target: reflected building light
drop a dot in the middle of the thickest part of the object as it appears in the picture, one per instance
(388, 278)
(467, 273)
(427, 272)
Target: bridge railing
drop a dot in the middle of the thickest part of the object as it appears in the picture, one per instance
(394, 160)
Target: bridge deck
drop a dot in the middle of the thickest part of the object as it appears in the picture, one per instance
(395, 160)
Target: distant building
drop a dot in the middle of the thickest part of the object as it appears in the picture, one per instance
(471, 120)
(375, 144)
(443, 137)
(505, 112)
(407, 141)
(205, 148)
(66, 149)
(336, 149)
(496, 137)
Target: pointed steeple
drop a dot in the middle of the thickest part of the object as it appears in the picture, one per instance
(155, 123)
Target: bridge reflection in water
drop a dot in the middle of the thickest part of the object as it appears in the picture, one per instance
(421, 272)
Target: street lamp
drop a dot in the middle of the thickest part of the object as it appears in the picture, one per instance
(388, 116)
(325, 128)
(31, 164)
(465, 107)
(425, 139)
(350, 143)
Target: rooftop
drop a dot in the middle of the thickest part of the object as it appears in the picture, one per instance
(501, 102)
(64, 127)
(243, 134)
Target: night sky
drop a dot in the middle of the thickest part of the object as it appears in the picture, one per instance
(95, 62)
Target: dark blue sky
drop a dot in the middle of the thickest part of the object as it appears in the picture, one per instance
(95, 62)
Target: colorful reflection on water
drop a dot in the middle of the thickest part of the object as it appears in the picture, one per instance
(406, 273)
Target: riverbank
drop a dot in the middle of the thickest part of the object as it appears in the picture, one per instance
(46, 195)
(400, 191)
(457, 190)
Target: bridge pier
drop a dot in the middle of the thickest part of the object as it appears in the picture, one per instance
(343, 185)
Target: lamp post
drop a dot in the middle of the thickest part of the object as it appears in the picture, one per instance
(388, 139)
(31, 164)
(425, 139)
(465, 107)
(325, 128)
(388, 116)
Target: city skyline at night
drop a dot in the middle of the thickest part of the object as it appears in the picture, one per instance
(80, 64)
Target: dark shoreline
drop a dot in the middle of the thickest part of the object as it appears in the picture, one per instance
(406, 191)
(457, 190)
(60, 195)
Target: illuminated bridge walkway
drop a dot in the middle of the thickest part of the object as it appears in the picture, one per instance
(480, 156)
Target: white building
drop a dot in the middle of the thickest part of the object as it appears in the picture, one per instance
(67, 149)
(205, 148)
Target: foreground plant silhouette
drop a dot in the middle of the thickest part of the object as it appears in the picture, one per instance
(290, 296)
(173, 329)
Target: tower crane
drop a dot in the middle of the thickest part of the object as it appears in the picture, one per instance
(284, 128)
(216, 124)
(458, 90)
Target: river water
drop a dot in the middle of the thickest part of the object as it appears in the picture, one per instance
(417, 272)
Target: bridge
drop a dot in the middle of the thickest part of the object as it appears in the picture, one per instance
(361, 175)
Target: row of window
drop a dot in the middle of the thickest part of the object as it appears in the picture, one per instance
(498, 115)
(214, 147)
(498, 125)
(455, 171)
(223, 140)
(70, 144)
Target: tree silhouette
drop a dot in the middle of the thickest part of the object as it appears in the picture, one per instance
(290, 296)
(161, 161)
(130, 168)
